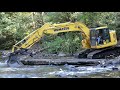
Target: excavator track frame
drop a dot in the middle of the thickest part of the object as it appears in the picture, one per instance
(106, 53)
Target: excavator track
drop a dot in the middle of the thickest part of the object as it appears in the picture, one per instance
(107, 53)
(96, 52)
(83, 54)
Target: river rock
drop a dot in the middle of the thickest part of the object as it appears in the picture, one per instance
(115, 69)
(61, 54)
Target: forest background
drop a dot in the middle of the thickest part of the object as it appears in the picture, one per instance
(14, 26)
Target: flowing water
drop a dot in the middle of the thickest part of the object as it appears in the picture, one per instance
(64, 71)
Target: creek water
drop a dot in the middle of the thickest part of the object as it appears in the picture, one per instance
(63, 71)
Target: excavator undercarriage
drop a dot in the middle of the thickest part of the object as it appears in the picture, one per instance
(105, 53)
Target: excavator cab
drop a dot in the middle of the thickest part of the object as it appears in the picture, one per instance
(102, 37)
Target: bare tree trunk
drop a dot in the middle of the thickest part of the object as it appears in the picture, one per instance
(42, 15)
(34, 25)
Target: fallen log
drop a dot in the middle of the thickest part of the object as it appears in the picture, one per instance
(62, 61)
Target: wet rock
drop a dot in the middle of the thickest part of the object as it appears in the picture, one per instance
(113, 62)
(14, 63)
(61, 74)
(4, 54)
(71, 67)
(61, 54)
(115, 69)
(103, 63)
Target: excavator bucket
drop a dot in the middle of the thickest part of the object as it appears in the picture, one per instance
(13, 61)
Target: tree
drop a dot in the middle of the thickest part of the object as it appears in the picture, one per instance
(117, 24)
(57, 17)
(13, 27)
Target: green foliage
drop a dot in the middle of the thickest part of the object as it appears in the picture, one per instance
(68, 43)
(117, 24)
(13, 27)
(72, 42)
(57, 17)
(55, 44)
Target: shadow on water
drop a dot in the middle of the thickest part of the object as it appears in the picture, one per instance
(64, 71)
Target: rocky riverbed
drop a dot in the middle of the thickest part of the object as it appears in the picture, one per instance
(63, 71)
(54, 71)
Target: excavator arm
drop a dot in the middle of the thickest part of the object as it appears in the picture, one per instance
(31, 39)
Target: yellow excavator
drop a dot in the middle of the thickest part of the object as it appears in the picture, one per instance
(98, 43)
